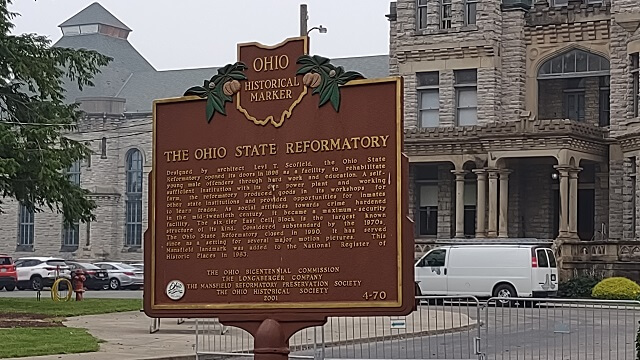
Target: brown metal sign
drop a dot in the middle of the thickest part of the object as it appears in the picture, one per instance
(279, 188)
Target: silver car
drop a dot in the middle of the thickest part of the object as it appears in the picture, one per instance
(122, 275)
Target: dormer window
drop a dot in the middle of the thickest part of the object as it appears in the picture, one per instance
(95, 19)
(80, 30)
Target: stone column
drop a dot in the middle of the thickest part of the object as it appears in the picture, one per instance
(564, 201)
(573, 203)
(493, 203)
(459, 202)
(481, 203)
(503, 229)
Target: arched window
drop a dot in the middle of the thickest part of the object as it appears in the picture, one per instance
(574, 63)
(133, 194)
(574, 85)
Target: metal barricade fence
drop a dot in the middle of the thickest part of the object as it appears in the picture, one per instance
(443, 327)
(457, 328)
(567, 329)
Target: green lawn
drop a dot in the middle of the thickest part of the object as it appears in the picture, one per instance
(48, 307)
(20, 342)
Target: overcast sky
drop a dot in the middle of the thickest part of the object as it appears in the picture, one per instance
(177, 34)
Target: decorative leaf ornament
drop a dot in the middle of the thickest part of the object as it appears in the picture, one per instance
(219, 89)
(324, 78)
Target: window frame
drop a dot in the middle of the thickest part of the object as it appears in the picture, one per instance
(603, 68)
(103, 148)
(580, 93)
(428, 209)
(425, 262)
(422, 12)
(635, 78)
(446, 22)
(467, 13)
(134, 168)
(459, 87)
(26, 227)
(604, 102)
(566, 2)
(71, 232)
(71, 236)
(544, 256)
(432, 88)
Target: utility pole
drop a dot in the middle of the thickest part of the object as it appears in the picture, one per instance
(304, 16)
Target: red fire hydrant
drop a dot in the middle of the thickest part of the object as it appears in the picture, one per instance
(78, 284)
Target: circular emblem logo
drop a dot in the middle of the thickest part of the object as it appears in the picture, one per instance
(175, 289)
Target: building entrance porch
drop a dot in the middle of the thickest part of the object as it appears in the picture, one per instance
(517, 197)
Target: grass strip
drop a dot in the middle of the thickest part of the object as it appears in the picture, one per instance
(20, 342)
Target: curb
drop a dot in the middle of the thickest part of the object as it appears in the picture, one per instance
(177, 357)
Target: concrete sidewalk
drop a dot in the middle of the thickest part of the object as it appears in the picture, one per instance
(126, 335)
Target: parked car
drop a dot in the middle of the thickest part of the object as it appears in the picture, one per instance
(138, 265)
(488, 271)
(122, 275)
(96, 278)
(8, 276)
(39, 272)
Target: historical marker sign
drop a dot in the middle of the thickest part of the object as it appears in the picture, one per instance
(278, 188)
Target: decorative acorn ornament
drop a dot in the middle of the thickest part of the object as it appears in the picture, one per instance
(231, 87)
(312, 79)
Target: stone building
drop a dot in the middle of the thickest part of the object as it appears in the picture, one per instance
(522, 124)
(521, 119)
(117, 127)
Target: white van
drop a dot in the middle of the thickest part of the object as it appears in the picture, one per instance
(488, 271)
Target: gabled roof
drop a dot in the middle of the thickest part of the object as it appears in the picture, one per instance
(95, 14)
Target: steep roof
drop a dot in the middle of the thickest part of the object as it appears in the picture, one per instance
(132, 77)
(94, 14)
(144, 87)
(374, 66)
(126, 61)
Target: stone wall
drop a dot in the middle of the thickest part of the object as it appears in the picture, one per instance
(447, 99)
(592, 100)
(513, 71)
(616, 176)
(515, 219)
(536, 193)
(489, 98)
(601, 198)
(445, 50)
(552, 104)
(550, 99)
(446, 193)
(628, 192)
(104, 176)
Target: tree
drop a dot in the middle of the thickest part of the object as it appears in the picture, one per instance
(34, 152)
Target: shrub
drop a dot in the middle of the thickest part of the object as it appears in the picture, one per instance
(578, 287)
(616, 288)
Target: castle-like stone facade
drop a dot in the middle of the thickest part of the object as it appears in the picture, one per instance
(522, 124)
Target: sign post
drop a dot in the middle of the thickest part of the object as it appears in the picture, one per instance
(278, 197)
